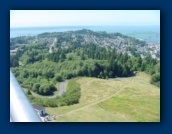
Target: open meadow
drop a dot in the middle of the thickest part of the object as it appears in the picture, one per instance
(131, 99)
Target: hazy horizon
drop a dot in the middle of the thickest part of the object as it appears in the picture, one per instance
(78, 26)
(51, 18)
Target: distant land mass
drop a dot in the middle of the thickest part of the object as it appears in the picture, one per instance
(83, 37)
(149, 34)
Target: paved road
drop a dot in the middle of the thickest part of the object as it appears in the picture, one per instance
(62, 87)
(50, 50)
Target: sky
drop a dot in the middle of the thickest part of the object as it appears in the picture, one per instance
(32, 18)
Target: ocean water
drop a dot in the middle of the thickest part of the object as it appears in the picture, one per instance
(146, 33)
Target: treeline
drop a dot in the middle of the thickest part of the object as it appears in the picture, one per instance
(155, 79)
(70, 97)
(17, 41)
(41, 76)
(101, 34)
(91, 61)
(42, 87)
(119, 65)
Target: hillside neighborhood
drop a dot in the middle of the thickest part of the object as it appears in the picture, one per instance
(108, 40)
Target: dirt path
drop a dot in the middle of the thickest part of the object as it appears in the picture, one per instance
(118, 91)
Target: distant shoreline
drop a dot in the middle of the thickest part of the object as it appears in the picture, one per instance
(150, 34)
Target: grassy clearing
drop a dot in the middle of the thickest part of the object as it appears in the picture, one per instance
(138, 101)
(92, 113)
(56, 111)
(134, 108)
(92, 90)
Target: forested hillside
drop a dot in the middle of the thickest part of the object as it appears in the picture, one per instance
(78, 53)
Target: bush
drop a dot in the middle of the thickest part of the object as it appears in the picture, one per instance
(58, 78)
(156, 79)
(28, 92)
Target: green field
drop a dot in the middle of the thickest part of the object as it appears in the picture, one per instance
(131, 99)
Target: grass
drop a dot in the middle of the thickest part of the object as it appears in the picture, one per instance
(93, 89)
(72, 84)
(136, 108)
(92, 113)
(137, 101)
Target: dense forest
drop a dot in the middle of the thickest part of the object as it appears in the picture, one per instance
(39, 70)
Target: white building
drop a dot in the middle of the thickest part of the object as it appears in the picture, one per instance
(40, 110)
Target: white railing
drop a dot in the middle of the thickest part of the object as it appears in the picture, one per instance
(21, 109)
